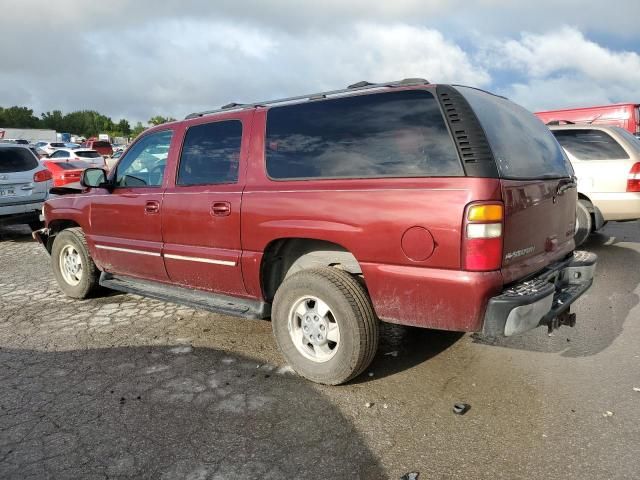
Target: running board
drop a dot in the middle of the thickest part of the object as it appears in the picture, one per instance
(213, 302)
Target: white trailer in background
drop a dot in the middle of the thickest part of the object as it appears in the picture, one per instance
(30, 134)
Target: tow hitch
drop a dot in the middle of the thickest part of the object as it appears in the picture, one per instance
(565, 318)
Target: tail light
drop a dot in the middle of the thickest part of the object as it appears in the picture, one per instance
(42, 176)
(633, 180)
(482, 237)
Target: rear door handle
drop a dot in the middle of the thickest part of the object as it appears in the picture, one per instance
(152, 206)
(220, 209)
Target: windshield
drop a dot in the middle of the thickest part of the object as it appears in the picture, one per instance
(522, 145)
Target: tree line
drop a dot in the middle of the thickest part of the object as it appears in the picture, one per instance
(87, 123)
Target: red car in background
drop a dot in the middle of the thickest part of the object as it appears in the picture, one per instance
(625, 115)
(66, 172)
(103, 147)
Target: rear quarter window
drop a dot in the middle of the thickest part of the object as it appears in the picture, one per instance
(17, 160)
(590, 144)
(393, 134)
(522, 145)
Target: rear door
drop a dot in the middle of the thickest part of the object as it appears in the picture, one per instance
(201, 210)
(537, 184)
(17, 183)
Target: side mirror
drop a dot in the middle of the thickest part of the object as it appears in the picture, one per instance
(93, 177)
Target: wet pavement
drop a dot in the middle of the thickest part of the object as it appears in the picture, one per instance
(125, 387)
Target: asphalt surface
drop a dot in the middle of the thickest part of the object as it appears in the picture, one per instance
(125, 387)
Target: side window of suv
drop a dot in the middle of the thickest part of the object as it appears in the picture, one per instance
(60, 154)
(395, 134)
(144, 163)
(211, 154)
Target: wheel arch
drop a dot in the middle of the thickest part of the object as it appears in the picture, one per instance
(57, 226)
(284, 256)
(596, 215)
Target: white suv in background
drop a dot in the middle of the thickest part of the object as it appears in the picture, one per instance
(24, 185)
(606, 160)
(83, 154)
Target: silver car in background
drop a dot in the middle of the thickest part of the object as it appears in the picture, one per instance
(606, 160)
(24, 186)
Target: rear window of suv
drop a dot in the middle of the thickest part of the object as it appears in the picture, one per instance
(395, 134)
(590, 144)
(522, 145)
(88, 154)
(16, 160)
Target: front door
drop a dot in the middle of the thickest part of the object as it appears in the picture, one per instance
(126, 223)
(201, 209)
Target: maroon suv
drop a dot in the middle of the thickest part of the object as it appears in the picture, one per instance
(430, 205)
(103, 147)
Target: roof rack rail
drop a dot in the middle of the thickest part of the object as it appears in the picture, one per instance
(361, 84)
(313, 96)
(231, 105)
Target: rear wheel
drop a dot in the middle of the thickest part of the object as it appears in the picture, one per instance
(73, 267)
(584, 223)
(324, 324)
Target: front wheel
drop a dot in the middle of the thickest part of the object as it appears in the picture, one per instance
(73, 267)
(324, 324)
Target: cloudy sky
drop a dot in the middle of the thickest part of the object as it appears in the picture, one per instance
(139, 58)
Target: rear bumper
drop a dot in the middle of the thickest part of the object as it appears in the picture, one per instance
(617, 206)
(21, 213)
(542, 300)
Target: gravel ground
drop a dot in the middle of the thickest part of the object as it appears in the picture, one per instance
(125, 387)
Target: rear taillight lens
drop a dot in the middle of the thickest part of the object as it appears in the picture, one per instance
(42, 176)
(633, 180)
(482, 237)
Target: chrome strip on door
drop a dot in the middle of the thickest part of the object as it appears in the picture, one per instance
(201, 260)
(128, 250)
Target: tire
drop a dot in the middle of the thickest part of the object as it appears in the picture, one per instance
(584, 223)
(349, 308)
(85, 281)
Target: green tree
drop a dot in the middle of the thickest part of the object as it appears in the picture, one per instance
(138, 129)
(124, 128)
(159, 120)
(53, 120)
(18, 117)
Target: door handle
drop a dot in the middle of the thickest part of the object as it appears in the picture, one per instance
(152, 206)
(220, 209)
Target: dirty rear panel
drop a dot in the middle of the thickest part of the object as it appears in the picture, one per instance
(537, 184)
